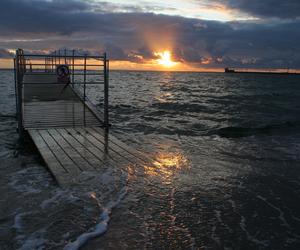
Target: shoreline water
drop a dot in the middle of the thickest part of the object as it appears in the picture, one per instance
(229, 179)
(218, 71)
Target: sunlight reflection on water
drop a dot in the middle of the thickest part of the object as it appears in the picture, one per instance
(166, 165)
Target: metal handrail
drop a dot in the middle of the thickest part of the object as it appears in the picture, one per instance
(43, 64)
(63, 56)
(80, 71)
(59, 83)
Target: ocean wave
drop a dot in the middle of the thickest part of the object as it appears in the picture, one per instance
(4, 117)
(236, 132)
(125, 109)
(180, 107)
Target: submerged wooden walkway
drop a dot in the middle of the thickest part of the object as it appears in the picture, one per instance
(47, 104)
(68, 152)
(68, 134)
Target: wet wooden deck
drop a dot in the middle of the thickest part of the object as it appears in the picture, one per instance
(67, 133)
(47, 104)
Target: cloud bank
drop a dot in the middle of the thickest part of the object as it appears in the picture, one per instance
(129, 33)
(266, 8)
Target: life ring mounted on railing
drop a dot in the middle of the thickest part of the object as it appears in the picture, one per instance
(63, 73)
(63, 76)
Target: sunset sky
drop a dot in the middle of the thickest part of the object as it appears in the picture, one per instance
(158, 35)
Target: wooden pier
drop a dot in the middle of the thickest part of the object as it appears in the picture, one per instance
(71, 136)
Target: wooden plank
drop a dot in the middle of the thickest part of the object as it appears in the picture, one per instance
(97, 151)
(135, 153)
(56, 120)
(67, 118)
(84, 152)
(118, 159)
(54, 126)
(93, 144)
(46, 126)
(41, 78)
(61, 114)
(54, 165)
(111, 147)
(47, 92)
(57, 110)
(60, 154)
(81, 162)
(92, 108)
(60, 124)
(67, 105)
(54, 115)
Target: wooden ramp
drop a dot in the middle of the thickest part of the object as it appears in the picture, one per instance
(67, 133)
(69, 152)
(48, 104)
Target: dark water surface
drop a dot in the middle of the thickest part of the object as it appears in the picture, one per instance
(227, 174)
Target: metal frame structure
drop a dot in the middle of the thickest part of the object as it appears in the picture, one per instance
(82, 69)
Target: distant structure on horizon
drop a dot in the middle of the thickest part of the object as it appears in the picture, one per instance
(246, 71)
(228, 70)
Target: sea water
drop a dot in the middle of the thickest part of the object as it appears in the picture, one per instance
(225, 175)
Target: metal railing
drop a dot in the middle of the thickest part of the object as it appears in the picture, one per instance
(84, 70)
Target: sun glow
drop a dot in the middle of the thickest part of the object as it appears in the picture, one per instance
(165, 59)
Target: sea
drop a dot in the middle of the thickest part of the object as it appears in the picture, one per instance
(225, 175)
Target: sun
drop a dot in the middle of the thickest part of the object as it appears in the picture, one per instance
(165, 59)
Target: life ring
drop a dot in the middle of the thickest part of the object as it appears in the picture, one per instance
(63, 73)
(62, 70)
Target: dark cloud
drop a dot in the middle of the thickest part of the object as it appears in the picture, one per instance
(134, 36)
(4, 53)
(266, 8)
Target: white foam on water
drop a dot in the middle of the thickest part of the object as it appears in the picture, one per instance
(46, 203)
(18, 225)
(4, 153)
(23, 188)
(34, 241)
(106, 178)
(28, 181)
(250, 237)
(281, 213)
(101, 227)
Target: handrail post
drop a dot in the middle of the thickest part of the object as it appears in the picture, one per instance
(19, 92)
(16, 94)
(65, 56)
(106, 66)
(59, 57)
(73, 62)
(84, 87)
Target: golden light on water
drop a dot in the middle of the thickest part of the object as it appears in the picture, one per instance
(166, 165)
(165, 59)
